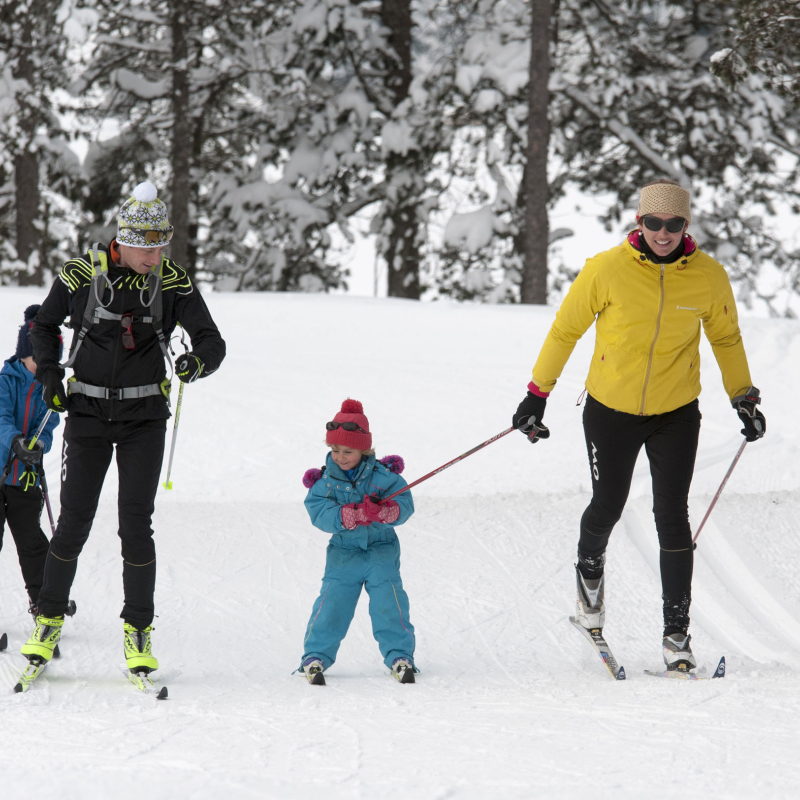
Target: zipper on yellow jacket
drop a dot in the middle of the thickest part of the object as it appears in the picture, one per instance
(653, 343)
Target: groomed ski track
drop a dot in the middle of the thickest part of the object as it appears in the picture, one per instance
(510, 701)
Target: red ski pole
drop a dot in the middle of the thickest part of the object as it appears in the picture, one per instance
(721, 487)
(448, 464)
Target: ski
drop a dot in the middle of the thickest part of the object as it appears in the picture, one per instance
(141, 680)
(600, 646)
(3, 642)
(36, 666)
(681, 675)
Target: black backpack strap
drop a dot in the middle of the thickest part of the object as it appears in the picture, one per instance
(98, 262)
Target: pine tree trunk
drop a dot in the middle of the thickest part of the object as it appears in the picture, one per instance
(180, 155)
(402, 252)
(26, 176)
(535, 228)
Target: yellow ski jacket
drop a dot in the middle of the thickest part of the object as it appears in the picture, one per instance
(646, 356)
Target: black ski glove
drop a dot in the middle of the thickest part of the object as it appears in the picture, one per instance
(188, 367)
(755, 426)
(19, 446)
(53, 394)
(528, 418)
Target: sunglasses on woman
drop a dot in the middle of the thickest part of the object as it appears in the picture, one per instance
(348, 426)
(655, 224)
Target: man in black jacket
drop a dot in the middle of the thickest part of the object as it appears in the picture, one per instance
(124, 303)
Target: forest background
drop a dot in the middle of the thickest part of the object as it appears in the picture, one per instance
(284, 133)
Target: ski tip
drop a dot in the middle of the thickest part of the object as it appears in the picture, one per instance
(19, 688)
(3, 642)
(621, 674)
(719, 672)
(163, 694)
(56, 652)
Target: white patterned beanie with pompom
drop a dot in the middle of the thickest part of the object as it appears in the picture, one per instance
(142, 220)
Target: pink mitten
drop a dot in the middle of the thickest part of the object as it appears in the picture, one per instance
(380, 512)
(353, 515)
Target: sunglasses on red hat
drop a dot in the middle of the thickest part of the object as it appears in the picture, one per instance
(153, 237)
(348, 426)
(655, 224)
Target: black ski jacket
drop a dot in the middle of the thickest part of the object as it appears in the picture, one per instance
(102, 359)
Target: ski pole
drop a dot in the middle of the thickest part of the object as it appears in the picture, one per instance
(46, 496)
(41, 428)
(721, 487)
(448, 464)
(168, 482)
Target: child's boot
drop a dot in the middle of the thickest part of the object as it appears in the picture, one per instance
(403, 670)
(138, 649)
(312, 667)
(44, 639)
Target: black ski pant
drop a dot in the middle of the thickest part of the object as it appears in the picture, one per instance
(89, 444)
(22, 510)
(613, 442)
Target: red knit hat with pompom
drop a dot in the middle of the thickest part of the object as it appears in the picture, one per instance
(352, 411)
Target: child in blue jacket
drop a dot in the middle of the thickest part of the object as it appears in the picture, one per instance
(363, 550)
(21, 412)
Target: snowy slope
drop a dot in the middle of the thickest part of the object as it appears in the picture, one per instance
(510, 702)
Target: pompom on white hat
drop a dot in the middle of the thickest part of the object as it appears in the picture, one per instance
(143, 220)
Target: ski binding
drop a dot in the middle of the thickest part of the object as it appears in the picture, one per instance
(36, 666)
(141, 680)
(600, 646)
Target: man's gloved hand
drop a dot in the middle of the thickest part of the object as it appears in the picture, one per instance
(53, 394)
(19, 446)
(188, 367)
(755, 426)
(528, 418)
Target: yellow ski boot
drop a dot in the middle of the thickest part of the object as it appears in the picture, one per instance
(44, 638)
(138, 649)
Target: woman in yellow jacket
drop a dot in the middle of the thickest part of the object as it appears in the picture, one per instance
(649, 297)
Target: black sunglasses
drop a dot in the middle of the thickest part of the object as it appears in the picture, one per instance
(348, 426)
(655, 224)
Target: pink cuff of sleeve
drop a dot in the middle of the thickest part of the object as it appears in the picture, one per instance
(534, 389)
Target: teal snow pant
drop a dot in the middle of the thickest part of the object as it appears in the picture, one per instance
(347, 569)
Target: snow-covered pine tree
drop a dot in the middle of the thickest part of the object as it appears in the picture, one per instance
(632, 99)
(177, 77)
(353, 123)
(39, 173)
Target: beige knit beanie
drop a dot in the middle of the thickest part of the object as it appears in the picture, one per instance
(665, 197)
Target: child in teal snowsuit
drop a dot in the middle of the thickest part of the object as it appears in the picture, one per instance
(363, 551)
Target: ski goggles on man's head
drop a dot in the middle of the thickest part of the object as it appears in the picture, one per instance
(655, 224)
(348, 426)
(153, 237)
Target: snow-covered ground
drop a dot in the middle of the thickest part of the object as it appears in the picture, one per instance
(510, 701)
